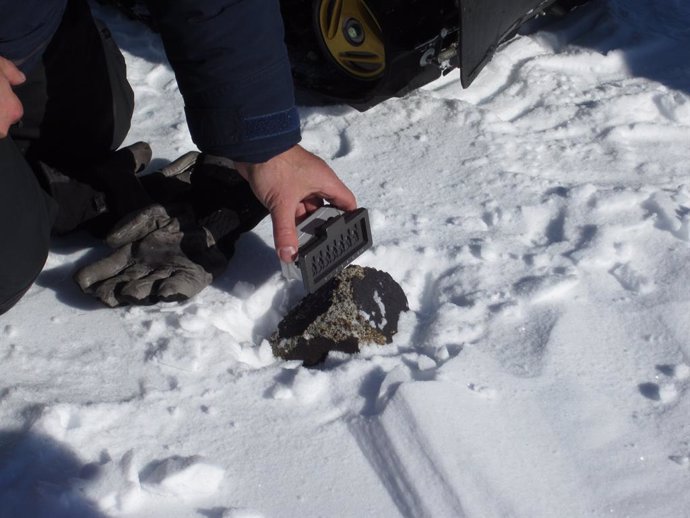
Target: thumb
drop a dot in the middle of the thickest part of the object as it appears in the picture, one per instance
(284, 232)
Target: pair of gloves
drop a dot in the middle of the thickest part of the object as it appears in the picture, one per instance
(178, 239)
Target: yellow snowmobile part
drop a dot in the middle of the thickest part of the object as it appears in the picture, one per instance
(353, 37)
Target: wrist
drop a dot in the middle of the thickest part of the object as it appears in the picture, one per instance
(248, 169)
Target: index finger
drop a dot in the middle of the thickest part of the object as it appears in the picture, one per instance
(340, 196)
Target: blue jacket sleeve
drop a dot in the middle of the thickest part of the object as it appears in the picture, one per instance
(26, 28)
(233, 71)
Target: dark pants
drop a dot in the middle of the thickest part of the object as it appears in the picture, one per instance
(77, 110)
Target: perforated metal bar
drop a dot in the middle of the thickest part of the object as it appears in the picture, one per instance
(329, 240)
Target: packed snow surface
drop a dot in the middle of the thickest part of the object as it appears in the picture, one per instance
(539, 223)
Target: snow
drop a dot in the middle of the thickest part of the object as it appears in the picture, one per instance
(538, 223)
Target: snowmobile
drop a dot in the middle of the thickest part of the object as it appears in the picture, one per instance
(362, 52)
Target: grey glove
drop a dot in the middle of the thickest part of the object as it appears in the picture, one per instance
(160, 256)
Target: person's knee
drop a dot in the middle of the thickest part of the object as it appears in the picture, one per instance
(21, 261)
(26, 216)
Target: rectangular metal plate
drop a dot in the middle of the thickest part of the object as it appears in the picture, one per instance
(329, 240)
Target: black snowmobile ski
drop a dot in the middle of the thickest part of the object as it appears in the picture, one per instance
(485, 24)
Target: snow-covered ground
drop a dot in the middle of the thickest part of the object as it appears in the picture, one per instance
(539, 223)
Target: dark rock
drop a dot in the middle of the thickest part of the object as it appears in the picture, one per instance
(360, 306)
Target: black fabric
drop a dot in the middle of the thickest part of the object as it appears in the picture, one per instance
(78, 105)
(112, 191)
(216, 186)
(26, 216)
(77, 109)
(77, 202)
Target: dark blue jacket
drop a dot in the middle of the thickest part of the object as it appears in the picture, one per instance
(228, 56)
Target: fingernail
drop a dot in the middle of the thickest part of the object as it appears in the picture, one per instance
(287, 254)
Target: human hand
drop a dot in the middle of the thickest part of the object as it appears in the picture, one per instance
(11, 109)
(292, 185)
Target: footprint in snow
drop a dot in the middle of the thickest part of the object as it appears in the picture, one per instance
(114, 486)
(10, 331)
(679, 371)
(668, 391)
(671, 212)
(631, 280)
(345, 147)
(181, 477)
(682, 460)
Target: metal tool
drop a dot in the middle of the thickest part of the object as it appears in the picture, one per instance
(329, 240)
